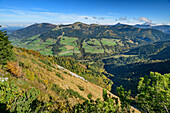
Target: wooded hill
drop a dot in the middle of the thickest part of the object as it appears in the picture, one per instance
(83, 40)
(128, 67)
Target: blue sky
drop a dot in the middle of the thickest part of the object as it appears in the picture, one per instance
(26, 12)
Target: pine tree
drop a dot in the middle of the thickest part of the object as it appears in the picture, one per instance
(6, 52)
(154, 93)
(124, 98)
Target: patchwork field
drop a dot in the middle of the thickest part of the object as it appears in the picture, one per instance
(109, 42)
(68, 41)
(37, 44)
(93, 46)
(69, 46)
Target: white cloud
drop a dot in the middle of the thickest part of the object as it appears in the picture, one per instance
(24, 17)
(101, 18)
(122, 18)
(144, 19)
(94, 17)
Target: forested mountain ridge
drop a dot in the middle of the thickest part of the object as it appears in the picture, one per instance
(84, 40)
(128, 67)
(155, 51)
(129, 75)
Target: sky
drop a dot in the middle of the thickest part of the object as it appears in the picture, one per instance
(104, 12)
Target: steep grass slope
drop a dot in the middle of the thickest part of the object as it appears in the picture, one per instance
(29, 70)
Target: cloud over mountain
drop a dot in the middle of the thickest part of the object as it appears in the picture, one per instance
(144, 19)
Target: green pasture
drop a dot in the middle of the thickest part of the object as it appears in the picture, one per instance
(109, 42)
(94, 42)
(93, 49)
(68, 40)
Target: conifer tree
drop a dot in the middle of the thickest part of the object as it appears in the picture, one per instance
(124, 98)
(154, 93)
(5, 48)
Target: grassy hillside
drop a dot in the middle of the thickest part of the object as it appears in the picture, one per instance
(57, 88)
(31, 69)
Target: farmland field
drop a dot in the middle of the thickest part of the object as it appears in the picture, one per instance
(93, 46)
(109, 42)
(68, 40)
(69, 45)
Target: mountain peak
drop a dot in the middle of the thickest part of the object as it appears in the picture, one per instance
(145, 24)
(78, 23)
(119, 24)
(42, 24)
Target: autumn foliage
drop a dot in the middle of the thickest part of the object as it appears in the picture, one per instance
(14, 68)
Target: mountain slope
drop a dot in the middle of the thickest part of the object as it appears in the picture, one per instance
(34, 70)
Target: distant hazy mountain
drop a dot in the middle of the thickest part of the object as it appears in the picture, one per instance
(10, 29)
(119, 24)
(163, 28)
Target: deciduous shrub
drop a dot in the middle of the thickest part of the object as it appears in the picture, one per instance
(14, 69)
